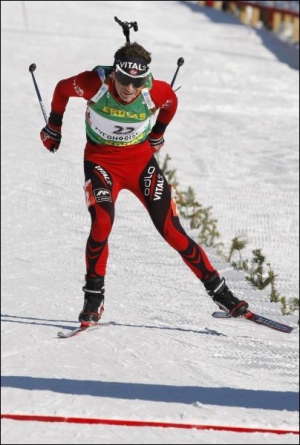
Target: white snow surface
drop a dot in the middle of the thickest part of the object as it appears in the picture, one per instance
(235, 141)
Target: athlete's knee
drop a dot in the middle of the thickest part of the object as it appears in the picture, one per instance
(175, 238)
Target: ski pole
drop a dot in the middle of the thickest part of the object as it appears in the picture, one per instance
(180, 62)
(32, 68)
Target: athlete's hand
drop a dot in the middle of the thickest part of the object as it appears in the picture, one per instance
(51, 137)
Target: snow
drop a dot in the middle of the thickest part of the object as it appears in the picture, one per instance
(235, 141)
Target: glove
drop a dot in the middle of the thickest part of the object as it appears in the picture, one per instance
(51, 137)
(156, 142)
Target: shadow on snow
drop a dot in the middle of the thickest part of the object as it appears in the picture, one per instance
(46, 322)
(245, 398)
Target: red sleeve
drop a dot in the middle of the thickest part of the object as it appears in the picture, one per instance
(84, 85)
(166, 101)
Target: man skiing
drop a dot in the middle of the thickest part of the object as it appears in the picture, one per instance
(119, 154)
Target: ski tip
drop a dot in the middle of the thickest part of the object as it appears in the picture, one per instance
(82, 328)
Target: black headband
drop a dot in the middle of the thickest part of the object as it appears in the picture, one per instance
(134, 66)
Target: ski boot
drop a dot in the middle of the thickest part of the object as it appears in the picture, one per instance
(223, 297)
(93, 305)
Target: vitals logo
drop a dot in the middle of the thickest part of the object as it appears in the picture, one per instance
(159, 188)
(102, 195)
(132, 66)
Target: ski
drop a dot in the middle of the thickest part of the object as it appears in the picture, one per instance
(258, 319)
(81, 329)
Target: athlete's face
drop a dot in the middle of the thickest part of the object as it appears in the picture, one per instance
(127, 92)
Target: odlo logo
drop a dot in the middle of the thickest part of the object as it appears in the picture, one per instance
(159, 186)
(148, 180)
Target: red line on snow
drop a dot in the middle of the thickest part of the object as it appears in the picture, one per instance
(124, 422)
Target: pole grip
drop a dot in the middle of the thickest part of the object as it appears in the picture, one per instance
(180, 62)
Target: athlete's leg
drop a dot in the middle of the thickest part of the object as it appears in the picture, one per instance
(101, 193)
(155, 193)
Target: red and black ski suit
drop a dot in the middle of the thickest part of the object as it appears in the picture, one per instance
(109, 169)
